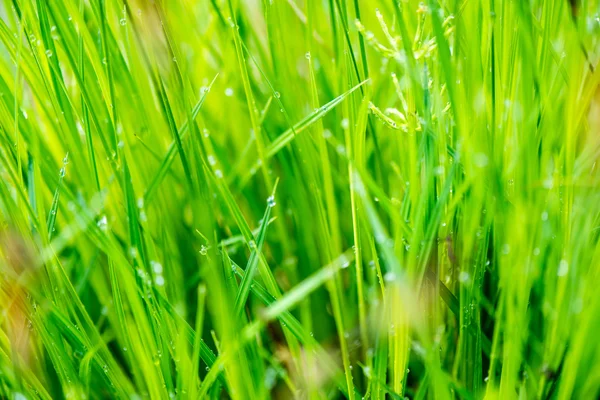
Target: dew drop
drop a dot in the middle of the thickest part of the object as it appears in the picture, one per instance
(563, 268)
(156, 267)
(102, 223)
(389, 277)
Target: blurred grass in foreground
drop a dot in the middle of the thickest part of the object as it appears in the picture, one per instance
(299, 198)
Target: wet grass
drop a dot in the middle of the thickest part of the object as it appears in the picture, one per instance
(310, 199)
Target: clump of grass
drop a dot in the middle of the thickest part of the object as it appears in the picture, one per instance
(299, 199)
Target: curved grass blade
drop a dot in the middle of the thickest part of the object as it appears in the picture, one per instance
(244, 290)
(170, 157)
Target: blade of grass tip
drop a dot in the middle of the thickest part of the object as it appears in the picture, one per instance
(244, 290)
(287, 136)
(173, 148)
(276, 94)
(232, 241)
(54, 207)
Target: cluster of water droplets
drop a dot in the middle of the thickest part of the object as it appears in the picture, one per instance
(140, 205)
(157, 268)
(203, 250)
(63, 171)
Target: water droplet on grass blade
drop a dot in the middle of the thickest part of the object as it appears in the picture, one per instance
(102, 223)
(156, 267)
(563, 268)
(271, 201)
(389, 276)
